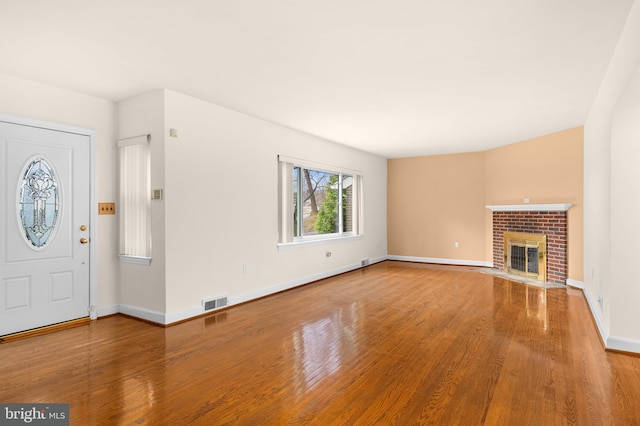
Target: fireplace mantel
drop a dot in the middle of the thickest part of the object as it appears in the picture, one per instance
(530, 207)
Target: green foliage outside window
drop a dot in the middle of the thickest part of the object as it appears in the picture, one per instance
(327, 220)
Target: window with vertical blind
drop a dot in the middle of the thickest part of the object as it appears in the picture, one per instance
(318, 202)
(135, 199)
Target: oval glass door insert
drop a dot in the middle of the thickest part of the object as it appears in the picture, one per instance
(38, 202)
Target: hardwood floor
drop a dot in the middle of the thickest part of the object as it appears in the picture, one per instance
(394, 343)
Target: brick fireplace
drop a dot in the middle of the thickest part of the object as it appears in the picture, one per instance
(544, 219)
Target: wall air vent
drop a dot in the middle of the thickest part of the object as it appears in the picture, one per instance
(364, 262)
(210, 304)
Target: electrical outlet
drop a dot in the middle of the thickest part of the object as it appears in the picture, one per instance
(106, 208)
(601, 302)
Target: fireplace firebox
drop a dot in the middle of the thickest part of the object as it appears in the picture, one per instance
(526, 254)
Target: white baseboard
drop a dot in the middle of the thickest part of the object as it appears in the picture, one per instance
(194, 311)
(575, 283)
(184, 314)
(234, 300)
(597, 315)
(610, 342)
(623, 344)
(145, 314)
(108, 310)
(153, 316)
(462, 262)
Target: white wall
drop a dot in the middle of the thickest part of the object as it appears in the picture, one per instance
(220, 207)
(219, 172)
(608, 195)
(36, 101)
(625, 212)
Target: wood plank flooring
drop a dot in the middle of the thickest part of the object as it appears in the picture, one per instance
(394, 343)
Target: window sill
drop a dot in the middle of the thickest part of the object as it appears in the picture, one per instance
(316, 242)
(137, 260)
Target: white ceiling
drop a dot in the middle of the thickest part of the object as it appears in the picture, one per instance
(393, 77)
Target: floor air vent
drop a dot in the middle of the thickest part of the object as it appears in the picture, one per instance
(364, 262)
(210, 304)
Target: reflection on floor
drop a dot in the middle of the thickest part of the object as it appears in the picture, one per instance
(520, 279)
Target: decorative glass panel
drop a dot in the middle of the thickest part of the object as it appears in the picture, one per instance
(39, 202)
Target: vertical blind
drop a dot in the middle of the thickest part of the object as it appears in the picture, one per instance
(135, 197)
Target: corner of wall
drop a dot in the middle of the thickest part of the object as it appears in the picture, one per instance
(597, 315)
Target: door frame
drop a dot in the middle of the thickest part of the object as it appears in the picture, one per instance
(93, 211)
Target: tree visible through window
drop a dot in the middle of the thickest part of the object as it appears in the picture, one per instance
(318, 202)
(322, 202)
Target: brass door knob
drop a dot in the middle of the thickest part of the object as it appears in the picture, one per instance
(83, 228)
(83, 240)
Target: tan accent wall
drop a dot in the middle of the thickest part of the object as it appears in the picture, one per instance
(548, 169)
(434, 201)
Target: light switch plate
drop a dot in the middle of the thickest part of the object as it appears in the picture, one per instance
(106, 208)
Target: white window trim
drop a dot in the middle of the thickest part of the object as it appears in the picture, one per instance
(309, 243)
(286, 238)
(321, 167)
(136, 260)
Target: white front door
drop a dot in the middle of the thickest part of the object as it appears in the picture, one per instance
(44, 218)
